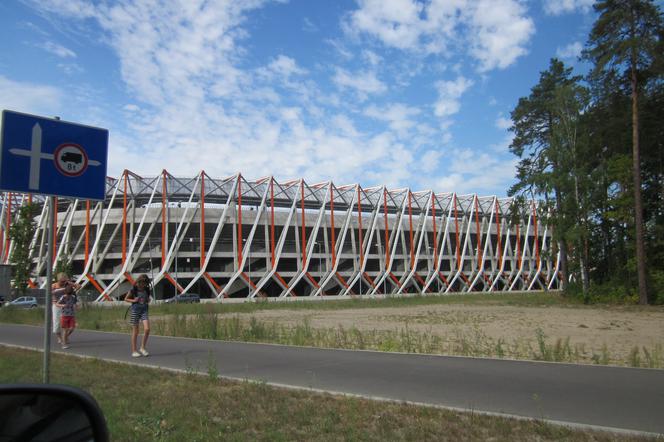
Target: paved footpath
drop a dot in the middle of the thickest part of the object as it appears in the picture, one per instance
(614, 397)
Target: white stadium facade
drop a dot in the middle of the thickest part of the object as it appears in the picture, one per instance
(236, 238)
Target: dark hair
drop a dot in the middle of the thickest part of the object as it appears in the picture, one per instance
(142, 278)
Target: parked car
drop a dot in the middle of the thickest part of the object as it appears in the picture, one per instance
(2, 300)
(184, 298)
(24, 302)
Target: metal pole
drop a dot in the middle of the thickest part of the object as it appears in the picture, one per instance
(49, 277)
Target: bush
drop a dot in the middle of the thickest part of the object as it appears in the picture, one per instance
(609, 292)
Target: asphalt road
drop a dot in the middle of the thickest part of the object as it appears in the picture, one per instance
(613, 397)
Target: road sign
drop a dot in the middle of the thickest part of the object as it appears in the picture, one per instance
(52, 157)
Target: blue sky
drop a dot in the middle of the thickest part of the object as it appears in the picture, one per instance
(401, 92)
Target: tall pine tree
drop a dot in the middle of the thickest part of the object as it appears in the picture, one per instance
(626, 37)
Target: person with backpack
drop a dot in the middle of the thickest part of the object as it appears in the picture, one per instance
(68, 305)
(139, 298)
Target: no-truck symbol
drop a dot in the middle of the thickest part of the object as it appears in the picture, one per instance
(70, 159)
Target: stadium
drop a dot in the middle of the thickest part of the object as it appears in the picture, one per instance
(234, 238)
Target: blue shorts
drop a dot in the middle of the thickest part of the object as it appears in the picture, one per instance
(138, 314)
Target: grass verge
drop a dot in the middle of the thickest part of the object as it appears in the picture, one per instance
(205, 321)
(150, 404)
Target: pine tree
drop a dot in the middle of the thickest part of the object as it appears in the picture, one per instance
(540, 140)
(626, 37)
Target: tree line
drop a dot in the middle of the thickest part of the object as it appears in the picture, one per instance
(592, 148)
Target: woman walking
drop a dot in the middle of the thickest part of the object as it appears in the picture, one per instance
(57, 290)
(139, 297)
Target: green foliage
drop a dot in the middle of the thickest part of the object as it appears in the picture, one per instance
(21, 234)
(63, 265)
(576, 144)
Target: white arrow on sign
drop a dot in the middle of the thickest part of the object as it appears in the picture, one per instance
(36, 156)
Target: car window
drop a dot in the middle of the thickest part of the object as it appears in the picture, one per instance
(20, 299)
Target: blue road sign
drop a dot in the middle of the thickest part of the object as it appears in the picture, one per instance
(52, 157)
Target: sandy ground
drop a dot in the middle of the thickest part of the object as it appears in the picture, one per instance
(588, 328)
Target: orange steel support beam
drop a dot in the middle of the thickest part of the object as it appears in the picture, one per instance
(285, 284)
(369, 278)
(334, 253)
(359, 217)
(435, 241)
(239, 220)
(456, 228)
(163, 219)
(202, 242)
(96, 285)
(248, 279)
(251, 283)
(410, 225)
(311, 278)
(303, 228)
(477, 230)
(31, 284)
(419, 278)
(174, 282)
(395, 279)
(387, 231)
(518, 247)
(500, 253)
(129, 278)
(214, 284)
(273, 259)
(124, 220)
(342, 280)
(87, 232)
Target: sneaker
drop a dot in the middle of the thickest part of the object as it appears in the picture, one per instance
(65, 347)
(144, 352)
(135, 355)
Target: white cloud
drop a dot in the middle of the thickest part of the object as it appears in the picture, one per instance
(70, 68)
(29, 97)
(285, 66)
(57, 49)
(308, 25)
(449, 93)
(400, 117)
(364, 83)
(558, 7)
(371, 57)
(503, 123)
(571, 51)
(501, 33)
(476, 171)
(192, 105)
(497, 31)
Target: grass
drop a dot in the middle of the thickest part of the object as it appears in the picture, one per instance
(163, 406)
(204, 321)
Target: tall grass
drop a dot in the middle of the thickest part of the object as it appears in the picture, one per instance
(463, 343)
(204, 321)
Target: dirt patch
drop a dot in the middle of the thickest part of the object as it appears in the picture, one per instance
(590, 330)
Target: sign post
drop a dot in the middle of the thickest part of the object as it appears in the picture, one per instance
(52, 157)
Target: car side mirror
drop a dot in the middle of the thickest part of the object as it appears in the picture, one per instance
(48, 412)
